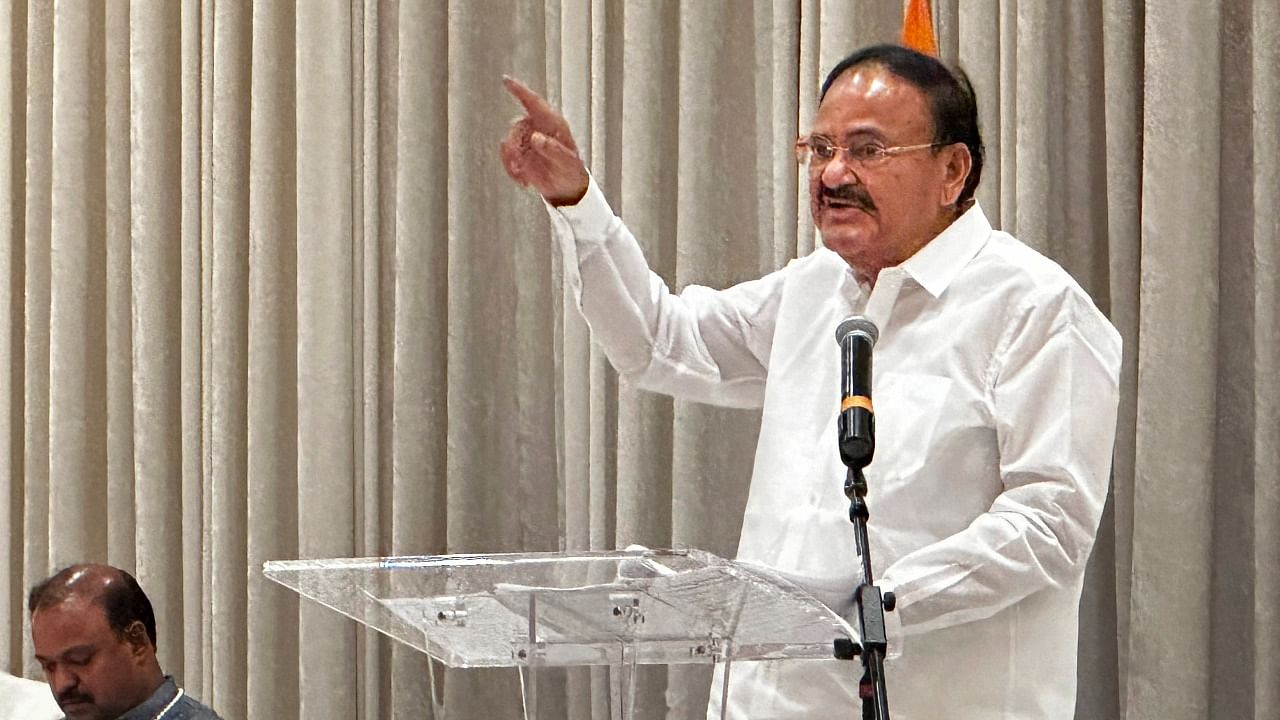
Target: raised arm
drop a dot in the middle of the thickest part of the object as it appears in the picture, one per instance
(702, 344)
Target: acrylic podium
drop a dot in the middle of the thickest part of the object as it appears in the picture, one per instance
(621, 609)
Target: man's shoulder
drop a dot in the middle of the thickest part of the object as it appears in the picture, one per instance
(190, 708)
(1025, 275)
(819, 261)
(1024, 262)
(1034, 288)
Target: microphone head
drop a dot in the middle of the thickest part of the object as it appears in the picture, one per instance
(857, 324)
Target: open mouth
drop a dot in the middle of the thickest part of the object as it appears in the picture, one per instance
(845, 206)
(847, 198)
(842, 204)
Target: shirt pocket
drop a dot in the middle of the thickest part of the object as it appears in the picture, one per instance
(909, 411)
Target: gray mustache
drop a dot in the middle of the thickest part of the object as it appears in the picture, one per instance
(855, 194)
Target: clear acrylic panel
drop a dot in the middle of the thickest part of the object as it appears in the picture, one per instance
(558, 609)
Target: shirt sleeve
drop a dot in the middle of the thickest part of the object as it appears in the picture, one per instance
(702, 344)
(1053, 390)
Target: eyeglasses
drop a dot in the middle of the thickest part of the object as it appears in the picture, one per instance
(817, 151)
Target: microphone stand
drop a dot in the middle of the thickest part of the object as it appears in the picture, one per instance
(857, 442)
(871, 607)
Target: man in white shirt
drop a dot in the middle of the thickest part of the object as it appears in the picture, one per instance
(995, 392)
(23, 699)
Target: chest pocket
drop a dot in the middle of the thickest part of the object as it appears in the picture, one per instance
(909, 412)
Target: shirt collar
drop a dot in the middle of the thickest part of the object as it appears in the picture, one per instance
(936, 264)
(154, 704)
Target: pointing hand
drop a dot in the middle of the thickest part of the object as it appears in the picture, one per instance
(539, 151)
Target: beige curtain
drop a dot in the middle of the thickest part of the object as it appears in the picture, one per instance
(266, 293)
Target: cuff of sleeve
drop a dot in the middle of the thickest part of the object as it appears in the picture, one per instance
(590, 217)
(892, 623)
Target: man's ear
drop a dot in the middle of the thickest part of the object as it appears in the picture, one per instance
(139, 641)
(956, 171)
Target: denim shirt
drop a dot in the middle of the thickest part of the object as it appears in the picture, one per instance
(187, 708)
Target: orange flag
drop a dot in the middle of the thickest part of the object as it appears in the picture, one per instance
(917, 28)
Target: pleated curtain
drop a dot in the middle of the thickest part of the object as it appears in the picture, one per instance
(266, 293)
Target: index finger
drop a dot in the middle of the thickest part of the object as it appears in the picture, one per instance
(532, 101)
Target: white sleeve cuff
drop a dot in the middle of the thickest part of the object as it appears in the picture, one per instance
(892, 622)
(589, 218)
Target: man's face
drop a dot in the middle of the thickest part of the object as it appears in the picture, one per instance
(94, 673)
(879, 215)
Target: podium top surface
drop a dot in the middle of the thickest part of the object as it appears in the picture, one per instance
(585, 608)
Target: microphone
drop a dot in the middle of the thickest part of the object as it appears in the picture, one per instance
(857, 430)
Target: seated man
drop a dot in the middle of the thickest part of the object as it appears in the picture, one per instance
(22, 699)
(95, 636)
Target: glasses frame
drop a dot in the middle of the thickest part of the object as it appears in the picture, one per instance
(805, 153)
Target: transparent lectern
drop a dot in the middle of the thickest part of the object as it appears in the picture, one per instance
(536, 610)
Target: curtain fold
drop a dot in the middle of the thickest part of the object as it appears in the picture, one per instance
(1264, 645)
(149, 331)
(325, 352)
(273, 403)
(1122, 74)
(1179, 281)
(12, 197)
(413, 118)
(30, 247)
(267, 293)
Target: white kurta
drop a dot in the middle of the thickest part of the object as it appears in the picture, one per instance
(995, 388)
(22, 699)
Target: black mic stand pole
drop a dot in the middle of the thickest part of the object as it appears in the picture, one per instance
(857, 442)
(871, 607)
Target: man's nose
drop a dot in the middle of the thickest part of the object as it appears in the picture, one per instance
(837, 172)
(62, 680)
